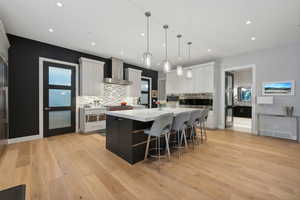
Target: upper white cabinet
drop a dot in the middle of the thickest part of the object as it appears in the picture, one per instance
(202, 80)
(135, 76)
(171, 82)
(91, 77)
(4, 44)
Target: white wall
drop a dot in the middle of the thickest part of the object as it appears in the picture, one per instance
(243, 78)
(277, 64)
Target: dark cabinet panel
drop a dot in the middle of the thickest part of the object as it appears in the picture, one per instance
(125, 138)
(112, 139)
(242, 111)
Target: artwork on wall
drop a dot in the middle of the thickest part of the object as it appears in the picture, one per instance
(278, 88)
(244, 94)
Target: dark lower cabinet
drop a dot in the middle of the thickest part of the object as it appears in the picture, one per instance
(125, 138)
(242, 111)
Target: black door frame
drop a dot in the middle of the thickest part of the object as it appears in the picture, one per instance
(69, 65)
(227, 107)
(149, 90)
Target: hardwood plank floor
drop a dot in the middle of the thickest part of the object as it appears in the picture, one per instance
(229, 166)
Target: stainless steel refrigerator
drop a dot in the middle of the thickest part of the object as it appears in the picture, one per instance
(3, 104)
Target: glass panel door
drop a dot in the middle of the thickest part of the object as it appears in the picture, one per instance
(145, 92)
(59, 99)
(229, 99)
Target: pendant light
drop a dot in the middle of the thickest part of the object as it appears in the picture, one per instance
(179, 67)
(189, 73)
(147, 57)
(166, 62)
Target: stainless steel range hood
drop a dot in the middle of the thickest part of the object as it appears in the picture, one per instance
(116, 73)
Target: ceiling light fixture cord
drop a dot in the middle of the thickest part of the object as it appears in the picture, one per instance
(148, 15)
(179, 37)
(166, 41)
(189, 43)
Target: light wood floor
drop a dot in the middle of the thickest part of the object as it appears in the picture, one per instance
(230, 165)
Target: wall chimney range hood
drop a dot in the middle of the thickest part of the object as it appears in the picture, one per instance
(117, 73)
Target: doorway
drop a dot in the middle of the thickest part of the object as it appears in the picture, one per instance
(59, 99)
(146, 92)
(239, 98)
(229, 99)
(58, 90)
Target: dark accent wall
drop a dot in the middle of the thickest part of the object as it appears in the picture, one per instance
(24, 80)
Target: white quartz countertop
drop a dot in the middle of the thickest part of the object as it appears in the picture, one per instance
(146, 115)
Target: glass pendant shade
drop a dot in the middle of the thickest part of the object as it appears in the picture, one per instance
(147, 56)
(147, 59)
(167, 66)
(179, 70)
(189, 73)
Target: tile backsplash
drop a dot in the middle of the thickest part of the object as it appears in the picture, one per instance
(113, 94)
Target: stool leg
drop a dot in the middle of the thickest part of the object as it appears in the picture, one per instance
(202, 132)
(158, 148)
(205, 131)
(147, 147)
(193, 133)
(184, 137)
(167, 145)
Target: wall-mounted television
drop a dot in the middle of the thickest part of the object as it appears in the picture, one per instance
(278, 88)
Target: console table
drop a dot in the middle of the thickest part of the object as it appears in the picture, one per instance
(278, 115)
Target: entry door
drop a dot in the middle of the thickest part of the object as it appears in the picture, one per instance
(145, 92)
(59, 99)
(229, 78)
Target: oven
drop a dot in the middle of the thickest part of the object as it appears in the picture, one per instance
(199, 100)
(172, 100)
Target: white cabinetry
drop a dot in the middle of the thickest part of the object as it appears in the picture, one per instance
(172, 83)
(202, 80)
(91, 77)
(135, 76)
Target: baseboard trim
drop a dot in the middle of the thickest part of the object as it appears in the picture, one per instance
(24, 139)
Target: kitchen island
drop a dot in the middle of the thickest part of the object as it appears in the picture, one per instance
(124, 131)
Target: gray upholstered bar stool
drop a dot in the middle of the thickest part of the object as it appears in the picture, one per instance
(160, 127)
(193, 123)
(179, 126)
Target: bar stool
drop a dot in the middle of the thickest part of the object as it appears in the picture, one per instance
(179, 127)
(202, 124)
(192, 123)
(160, 127)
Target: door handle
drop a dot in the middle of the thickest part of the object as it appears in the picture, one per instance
(46, 108)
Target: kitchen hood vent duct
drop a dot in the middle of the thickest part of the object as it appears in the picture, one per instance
(117, 74)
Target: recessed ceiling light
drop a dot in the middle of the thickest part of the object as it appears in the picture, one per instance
(253, 38)
(51, 30)
(164, 45)
(142, 34)
(208, 50)
(59, 4)
(93, 43)
(248, 22)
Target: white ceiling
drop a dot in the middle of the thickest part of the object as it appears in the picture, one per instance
(116, 26)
